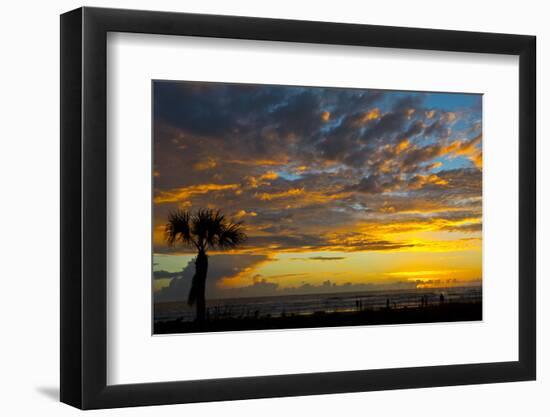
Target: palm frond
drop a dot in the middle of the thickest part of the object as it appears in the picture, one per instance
(231, 235)
(215, 226)
(199, 225)
(205, 229)
(178, 228)
(206, 225)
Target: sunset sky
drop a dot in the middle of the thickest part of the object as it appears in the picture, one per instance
(338, 189)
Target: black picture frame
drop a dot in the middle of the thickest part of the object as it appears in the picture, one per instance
(84, 207)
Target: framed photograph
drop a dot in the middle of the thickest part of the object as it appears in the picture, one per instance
(258, 208)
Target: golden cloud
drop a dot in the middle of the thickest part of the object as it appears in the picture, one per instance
(183, 193)
(420, 181)
(283, 194)
(401, 146)
(244, 213)
(255, 182)
(383, 228)
(467, 148)
(259, 162)
(449, 117)
(210, 163)
(372, 114)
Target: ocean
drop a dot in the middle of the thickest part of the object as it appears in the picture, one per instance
(277, 306)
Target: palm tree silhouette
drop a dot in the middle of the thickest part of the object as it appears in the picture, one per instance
(204, 230)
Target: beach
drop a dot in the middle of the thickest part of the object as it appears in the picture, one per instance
(324, 310)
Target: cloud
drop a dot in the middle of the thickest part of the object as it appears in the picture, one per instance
(181, 194)
(262, 179)
(468, 148)
(165, 274)
(264, 287)
(387, 126)
(293, 192)
(358, 241)
(419, 154)
(243, 213)
(220, 268)
(466, 228)
(449, 282)
(379, 184)
(420, 181)
(368, 116)
(333, 241)
(375, 184)
(303, 167)
(319, 258)
(209, 163)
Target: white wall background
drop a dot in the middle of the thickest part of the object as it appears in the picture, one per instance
(29, 225)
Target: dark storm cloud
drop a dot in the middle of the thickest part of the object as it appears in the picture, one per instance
(165, 274)
(419, 155)
(288, 241)
(387, 127)
(375, 184)
(359, 137)
(466, 182)
(438, 128)
(396, 122)
(243, 123)
(344, 102)
(300, 115)
(345, 241)
(359, 242)
(296, 164)
(278, 228)
(467, 228)
(266, 119)
(207, 109)
(219, 267)
(414, 129)
(341, 140)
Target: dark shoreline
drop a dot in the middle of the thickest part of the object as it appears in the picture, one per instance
(436, 313)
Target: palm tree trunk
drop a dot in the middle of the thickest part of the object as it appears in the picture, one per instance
(199, 282)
